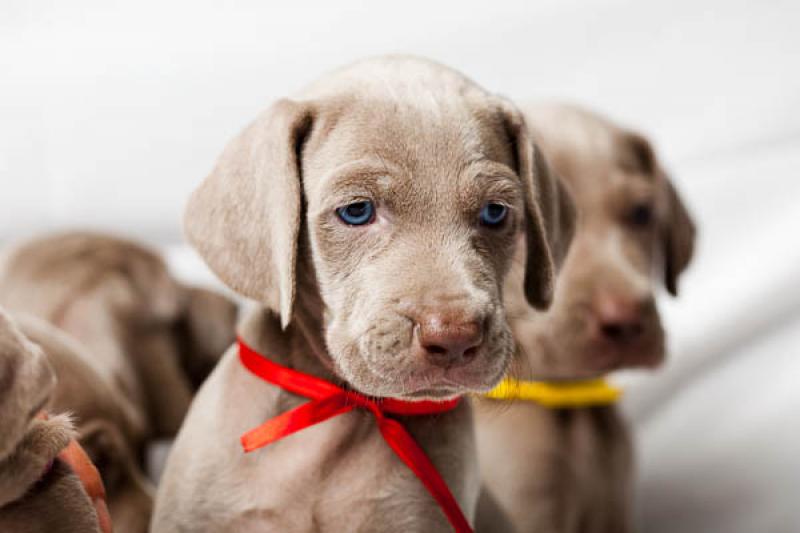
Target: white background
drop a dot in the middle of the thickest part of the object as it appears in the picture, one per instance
(111, 113)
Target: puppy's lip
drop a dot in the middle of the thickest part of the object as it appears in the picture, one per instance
(605, 360)
(444, 386)
(439, 388)
(432, 394)
(651, 359)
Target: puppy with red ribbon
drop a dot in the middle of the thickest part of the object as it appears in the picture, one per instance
(373, 218)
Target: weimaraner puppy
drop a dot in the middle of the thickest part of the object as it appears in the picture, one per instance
(374, 218)
(151, 337)
(570, 469)
(128, 343)
(39, 492)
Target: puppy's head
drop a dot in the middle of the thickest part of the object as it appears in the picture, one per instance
(395, 188)
(633, 235)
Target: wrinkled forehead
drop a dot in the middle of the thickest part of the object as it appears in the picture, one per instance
(427, 140)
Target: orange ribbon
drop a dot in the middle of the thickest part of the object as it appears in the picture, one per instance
(75, 457)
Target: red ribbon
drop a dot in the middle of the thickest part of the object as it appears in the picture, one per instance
(329, 400)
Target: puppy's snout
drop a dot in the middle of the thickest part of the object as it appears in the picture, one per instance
(620, 319)
(448, 340)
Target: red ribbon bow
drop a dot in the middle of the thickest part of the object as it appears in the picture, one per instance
(329, 400)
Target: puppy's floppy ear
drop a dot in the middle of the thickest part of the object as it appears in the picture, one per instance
(549, 212)
(637, 155)
(677, 232)
(557, 208)
(245, 218)
(677, 236)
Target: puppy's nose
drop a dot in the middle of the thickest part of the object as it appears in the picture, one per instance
(620, 319)
(449, 341)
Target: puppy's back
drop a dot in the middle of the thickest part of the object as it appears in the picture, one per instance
(44, 276)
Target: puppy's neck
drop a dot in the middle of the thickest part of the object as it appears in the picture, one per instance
(300, 346)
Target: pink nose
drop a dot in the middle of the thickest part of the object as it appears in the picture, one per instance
(620, 319)
(448, 340)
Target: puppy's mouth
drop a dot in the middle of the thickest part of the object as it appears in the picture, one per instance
(381, 369)
(445, 393)
(442, 384)
(598, 360)
(547, 358)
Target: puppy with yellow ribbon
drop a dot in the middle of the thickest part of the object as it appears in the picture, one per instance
(555, 453)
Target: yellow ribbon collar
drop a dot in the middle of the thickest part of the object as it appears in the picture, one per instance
(557, 394)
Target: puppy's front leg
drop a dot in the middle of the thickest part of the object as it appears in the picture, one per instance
(490, 517)
(549, 504)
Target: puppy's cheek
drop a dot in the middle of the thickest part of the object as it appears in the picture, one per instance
(549, 343)
(381, 356)
(501, 354)
(658, 349)
(340, 350)
(349, 359)
(386, 341)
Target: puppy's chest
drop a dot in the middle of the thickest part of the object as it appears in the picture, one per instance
(600, 455)
(342, 476)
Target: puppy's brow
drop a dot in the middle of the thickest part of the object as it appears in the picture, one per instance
(373, 175)
(481, 166)
(494, 178)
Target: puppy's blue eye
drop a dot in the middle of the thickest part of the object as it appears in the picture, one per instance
(493, 215)
(357, 213)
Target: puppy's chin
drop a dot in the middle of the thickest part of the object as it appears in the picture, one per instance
(420, 382)
(453, 383)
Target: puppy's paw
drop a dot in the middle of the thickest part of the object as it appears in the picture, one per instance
(49, 436)
(32, 456)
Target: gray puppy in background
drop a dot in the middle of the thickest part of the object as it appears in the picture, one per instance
(570, 469)
(128, 343)
(153, 338)
(38, 492)
(374, 218)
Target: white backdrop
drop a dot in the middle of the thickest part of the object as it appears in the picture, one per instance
(111, 113)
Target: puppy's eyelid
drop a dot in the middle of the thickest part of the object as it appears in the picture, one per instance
(359, 198)
(499, 187)
(334, 201)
